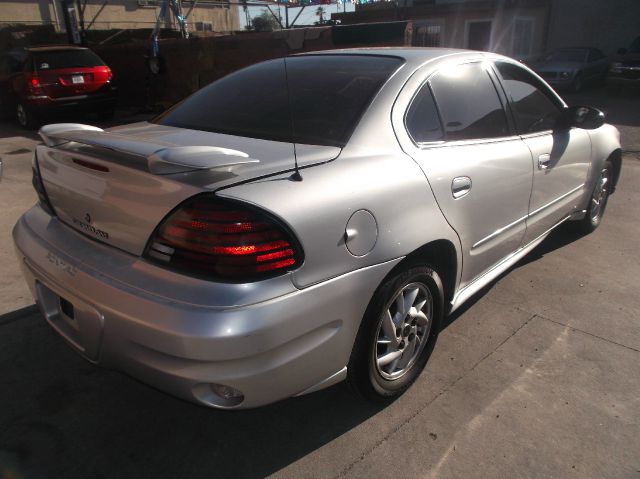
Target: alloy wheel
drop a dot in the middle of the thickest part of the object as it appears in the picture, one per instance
(599, 196)
(403, 331)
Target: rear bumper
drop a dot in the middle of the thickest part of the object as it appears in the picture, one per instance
(268, 346)
(101, 100)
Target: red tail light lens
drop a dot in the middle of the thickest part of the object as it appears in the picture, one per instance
(224, 240)
(109, 74)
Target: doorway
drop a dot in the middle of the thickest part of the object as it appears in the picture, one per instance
(479, 35)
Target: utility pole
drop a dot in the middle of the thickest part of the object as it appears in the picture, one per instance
(70, 22)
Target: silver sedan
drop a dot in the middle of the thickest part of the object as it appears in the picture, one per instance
(305, 220)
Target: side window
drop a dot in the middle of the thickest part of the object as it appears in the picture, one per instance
(468, 103)
(422, 120)
(533, 106)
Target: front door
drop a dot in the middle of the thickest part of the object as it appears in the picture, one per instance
(561, 156)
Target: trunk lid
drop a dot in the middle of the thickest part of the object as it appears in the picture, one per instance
(116, 186)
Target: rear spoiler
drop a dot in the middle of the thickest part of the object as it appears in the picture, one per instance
(162, 158)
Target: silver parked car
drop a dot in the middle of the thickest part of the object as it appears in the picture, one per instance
(305, 220)
(572, 68)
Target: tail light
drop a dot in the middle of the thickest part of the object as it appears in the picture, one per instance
(224, 240)
(38, 185)
(34, 85)
(109, 74)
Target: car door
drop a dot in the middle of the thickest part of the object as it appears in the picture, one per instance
(478, 170)
(561, 155)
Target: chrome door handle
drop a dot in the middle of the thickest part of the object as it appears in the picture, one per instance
(543, 161)
(460, 186)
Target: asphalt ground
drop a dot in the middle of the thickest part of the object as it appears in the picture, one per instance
(537, 376)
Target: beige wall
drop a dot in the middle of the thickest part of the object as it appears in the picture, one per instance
(117, 14)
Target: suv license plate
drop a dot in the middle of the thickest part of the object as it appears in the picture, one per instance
(77, 79)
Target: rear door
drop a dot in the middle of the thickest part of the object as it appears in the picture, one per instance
(561, 156)
(478, 170)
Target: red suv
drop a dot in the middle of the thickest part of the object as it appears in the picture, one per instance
(39, 81)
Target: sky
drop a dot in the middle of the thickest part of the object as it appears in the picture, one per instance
(307, 17)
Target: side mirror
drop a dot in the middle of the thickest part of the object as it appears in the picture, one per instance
(584, 117)
(622, 51)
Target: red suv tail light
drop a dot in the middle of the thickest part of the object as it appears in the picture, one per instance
(225, 240)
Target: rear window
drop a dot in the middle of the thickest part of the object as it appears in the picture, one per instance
(58, 59)
(328, 94)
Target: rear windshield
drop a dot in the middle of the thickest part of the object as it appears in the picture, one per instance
(327, 94)
(57, 59)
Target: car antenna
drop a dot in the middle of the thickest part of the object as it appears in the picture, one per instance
(296, 176)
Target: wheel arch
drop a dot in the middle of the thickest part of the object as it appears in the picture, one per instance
(441, 255)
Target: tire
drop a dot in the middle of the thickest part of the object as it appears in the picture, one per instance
(597, 201)
(25, 117)
(395, 339)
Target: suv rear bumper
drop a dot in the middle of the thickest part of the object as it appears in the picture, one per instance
(104, 99)
(290, 343)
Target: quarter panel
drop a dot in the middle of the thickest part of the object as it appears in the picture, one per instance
(386, 183)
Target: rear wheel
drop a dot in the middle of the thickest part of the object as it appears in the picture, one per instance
(25, 116)
(598, 200)
(397, 334)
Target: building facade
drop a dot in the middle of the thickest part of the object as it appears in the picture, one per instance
(517, 28)
(206, 16)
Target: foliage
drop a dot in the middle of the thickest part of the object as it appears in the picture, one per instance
(265, 22)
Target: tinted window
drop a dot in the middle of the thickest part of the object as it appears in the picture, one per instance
(468, 103)
(422, 121)
(533, 107)
(56, 59)
(327, 94)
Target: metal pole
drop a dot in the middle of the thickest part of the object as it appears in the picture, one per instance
(286, 16)
(67, 20)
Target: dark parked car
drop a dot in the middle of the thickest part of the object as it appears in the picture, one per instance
(625, 68)
(40, 81)
(571, 68)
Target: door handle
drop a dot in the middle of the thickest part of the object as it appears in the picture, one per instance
(543, 161)
(460, 186)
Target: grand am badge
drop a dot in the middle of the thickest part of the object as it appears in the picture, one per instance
(89, 228)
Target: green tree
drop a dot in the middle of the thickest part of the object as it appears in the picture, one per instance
(320, 13)
(265, 22)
